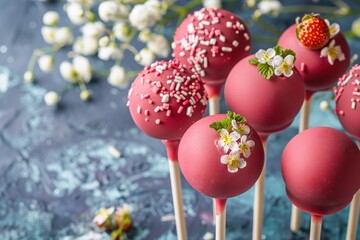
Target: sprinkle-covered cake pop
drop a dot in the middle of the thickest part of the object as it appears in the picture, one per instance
(320, 167)
(348, 101)
(221, 155)
(322, 52)
(165, 99)
(266, 89)
(212, 41)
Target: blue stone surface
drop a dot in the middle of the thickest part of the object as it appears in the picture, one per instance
(56, 170)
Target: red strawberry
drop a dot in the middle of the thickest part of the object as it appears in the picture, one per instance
(312, 31)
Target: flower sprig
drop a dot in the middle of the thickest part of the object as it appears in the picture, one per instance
(233, 141)
(275, 60)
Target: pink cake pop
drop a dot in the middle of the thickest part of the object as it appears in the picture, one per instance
(348, 110)
(164, 100)
(212, 41)
(221, 156)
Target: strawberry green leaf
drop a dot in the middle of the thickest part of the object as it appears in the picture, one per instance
(253, 61)
(265, 70)
(278, 49)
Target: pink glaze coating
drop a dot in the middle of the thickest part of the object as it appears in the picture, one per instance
(165, 99)
(348, 101)
(317, 72)
(199, 160)
(212, 41)
(320, 167)
(268, 105)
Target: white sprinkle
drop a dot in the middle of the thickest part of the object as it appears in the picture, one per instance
(206, 23)
(157, 109)
(189, 111)
(201, 26)
(202, 73)
(235, 43)
(177, 88)
(229, 24)
(226, 49)
(206, 43)
(177, 96)
(138, 110)
(141, 80)
(201, 52)
(198, 95)
(157, 121)
(130, 92)
(192, 100)
(357, 82)
(205, 62)
(222, 38)
(180, 109)
(184, 93)
(356, 93)
(214, 21)
(353, 105)
(127, 103)
(213, 41)
(246, 36)
(203, 101)
(190, 28)
(347, 80)
(247, 48)
(165, 98)
(114, 151)
(169, 81)
(168, 113)
(178, 79)
(181, 54)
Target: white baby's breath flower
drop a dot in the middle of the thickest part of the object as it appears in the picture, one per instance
(159, 45)
(46, 63)
(113, 11)
(93, 29)
(76, 13)
(86, 46)
(212, 4)
(88, 3)
(355, 27)
(332, 52)
(117, 77)
(110, 52)
(51, 98)
(48, 34)
(104, 41)
(29, 77)
(122, 31)
(85, 95)
(68, 72)
(145, 57)
(83, 68)
(324, 105)
(145, 35)
(272, 7)
(142, 17)
(155, 7)
(63, 36)
(51, 18)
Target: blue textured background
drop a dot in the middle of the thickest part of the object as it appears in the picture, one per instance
(56, 171)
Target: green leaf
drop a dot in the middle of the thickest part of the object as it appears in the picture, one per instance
(226, 123)
(253, 61)
(236, 117)
(265, 70)
(217, 126)
(278, 50)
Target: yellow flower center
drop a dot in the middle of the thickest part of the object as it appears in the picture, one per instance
(226, 139)
(333, 53)
(244, 147)
(241, 129)
(266, 56)
(234, 162)
(284, 67)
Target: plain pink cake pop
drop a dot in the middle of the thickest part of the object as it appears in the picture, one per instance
(165, 99)
(200, 157)
(317, 72)
(268, 105)
(212, 41)
(348, 101)
(320, 167)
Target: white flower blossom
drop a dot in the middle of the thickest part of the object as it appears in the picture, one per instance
(355, 27)
(104, 41)
(324, 105)
(333, 28)
(93, 29)
(88, 3)
(85, 95)
(51, 98)
(332, 52)
(228, 140)
(245, 145)
(117, 77)
(29, 77)
(68, 72)
(233, 161)
(76, 13)
(283, 65)
(141, 16)
(86, 46)
(212, 4)
(145, 57)
(51, 18)
(145, 35)
(272, 7)
(48, 34)
(155, 7)
(63, 36)
(159, 45)
(241, 128)
(110, 52)
(122, 31)
(113, 11)
(83, 68)
(265, 56)
(46, 63)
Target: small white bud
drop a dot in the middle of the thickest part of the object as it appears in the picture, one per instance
(85, 95)
(117, 77)
(51, 98)
(104, 41)
(67, 71)
(324, 105)
(46, 63)
(29, 77)
(145, 57)
(51, 18)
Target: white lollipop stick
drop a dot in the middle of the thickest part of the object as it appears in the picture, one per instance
(353, 217)
(214, 105)
(171, 147)
(304, 124)
(259, 200)
(220, 223)
(315, 227)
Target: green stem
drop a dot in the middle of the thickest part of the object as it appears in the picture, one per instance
(263, 39)
(66, 89)
(267, 27)
(82, 86)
